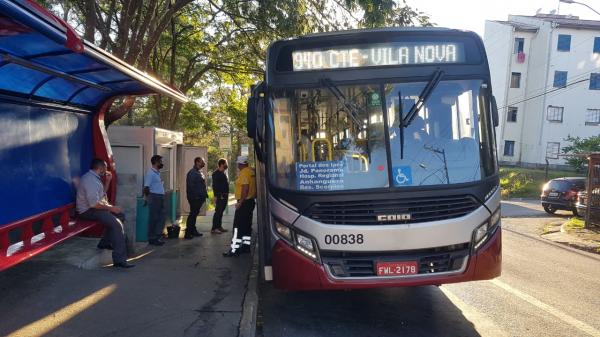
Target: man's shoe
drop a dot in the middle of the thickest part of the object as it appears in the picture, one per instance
(232, 254)
(124, 265)
(197, 234)
(244, 249)
(156, 243)
(222, 230)
(102, 245)
(216, 231)
(188, 236)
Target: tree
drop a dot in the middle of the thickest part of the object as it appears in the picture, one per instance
(580, 146)
(380, 13)
(203, 45)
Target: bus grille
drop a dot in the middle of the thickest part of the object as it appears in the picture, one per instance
(439, 260)
(366, 212)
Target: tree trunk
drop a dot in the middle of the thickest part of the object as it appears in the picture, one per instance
(90, 20)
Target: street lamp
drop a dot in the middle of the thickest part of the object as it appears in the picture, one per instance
(579, 3)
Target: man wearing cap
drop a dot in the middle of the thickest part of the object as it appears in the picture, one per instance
(245, 192)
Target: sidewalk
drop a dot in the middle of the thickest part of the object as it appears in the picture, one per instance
(562, 231)
(184, 288)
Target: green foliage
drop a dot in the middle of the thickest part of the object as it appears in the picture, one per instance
(381, 13)
(213, 50)
(579, 146)
(517, 182)
(574, 224)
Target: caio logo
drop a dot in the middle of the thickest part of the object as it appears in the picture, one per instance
(393, 217)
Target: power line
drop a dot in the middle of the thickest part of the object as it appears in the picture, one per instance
(544, 93)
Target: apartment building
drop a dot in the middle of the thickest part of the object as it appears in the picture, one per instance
(546, 78)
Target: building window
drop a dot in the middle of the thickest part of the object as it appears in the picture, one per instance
(564, 42)
(511, 116)
(595, 81)
(560, 79)
(515, 80)
(597, 45)
(552, 150)
(555, 114)
(592, 117)
(519, 45)
(509, 148)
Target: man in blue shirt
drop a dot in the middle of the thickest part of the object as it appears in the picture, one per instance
(92, 204)
(154, 193)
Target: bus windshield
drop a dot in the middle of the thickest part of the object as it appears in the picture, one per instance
(335, 138)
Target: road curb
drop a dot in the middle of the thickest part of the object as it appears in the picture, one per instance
(250, 303)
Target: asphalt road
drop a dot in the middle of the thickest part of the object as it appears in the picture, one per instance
(544, 290)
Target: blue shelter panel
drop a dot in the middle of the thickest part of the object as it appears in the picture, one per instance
(28, 44)
(20, 77)
(42, 153)
(58, 89)
(68, 62)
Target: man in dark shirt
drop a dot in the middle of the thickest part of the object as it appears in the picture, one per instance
(196, 195)
(220, 186)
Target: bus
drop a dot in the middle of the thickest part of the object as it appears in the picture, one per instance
(55, 90)
(376, 160)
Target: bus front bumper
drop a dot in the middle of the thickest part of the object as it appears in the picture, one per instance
(293, 271)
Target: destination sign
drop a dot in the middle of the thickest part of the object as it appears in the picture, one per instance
(376, 55)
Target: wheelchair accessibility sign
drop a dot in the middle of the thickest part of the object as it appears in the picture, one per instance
(402, 176)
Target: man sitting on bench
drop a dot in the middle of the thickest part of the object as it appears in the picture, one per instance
(92, 204)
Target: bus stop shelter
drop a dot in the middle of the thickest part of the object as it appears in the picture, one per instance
(55, 89)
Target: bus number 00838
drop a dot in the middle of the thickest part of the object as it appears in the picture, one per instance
(344, 239)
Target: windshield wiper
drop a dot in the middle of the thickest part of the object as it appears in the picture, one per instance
(351, 108)
(414, 111)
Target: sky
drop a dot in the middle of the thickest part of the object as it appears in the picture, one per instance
(471, 14)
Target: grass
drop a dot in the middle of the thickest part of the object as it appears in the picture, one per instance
(519, 182)
(574, 224)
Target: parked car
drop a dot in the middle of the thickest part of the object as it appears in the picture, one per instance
(594, 202)
(561, 193)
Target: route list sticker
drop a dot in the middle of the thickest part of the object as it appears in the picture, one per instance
(320, 176)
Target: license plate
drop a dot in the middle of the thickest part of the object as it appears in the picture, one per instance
(397, 268)
(553, 194)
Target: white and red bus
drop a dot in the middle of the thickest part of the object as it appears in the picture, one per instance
(376, 160)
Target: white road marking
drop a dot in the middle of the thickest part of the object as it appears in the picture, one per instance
(574, 322)
(484, 325)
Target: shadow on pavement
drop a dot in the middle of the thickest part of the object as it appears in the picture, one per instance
(412, 311)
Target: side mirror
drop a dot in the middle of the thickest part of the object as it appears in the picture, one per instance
(255, 117)
(495, 116)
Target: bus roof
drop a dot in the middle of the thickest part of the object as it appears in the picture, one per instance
(42, 57)
(385, 30)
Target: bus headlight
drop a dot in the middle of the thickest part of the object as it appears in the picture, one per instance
(480, 233)
(305, 242)
(483, 232)
(283, 230)
(305, 245)
(300, 242)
